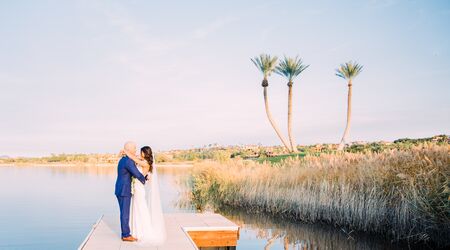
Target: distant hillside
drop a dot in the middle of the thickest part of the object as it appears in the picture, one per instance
(220, 153)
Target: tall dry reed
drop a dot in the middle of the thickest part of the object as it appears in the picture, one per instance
(404, 195)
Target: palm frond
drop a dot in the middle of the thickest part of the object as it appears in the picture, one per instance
(290, 67)
(265, 63)
(349, 70)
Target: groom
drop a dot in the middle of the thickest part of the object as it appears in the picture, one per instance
(125, 170)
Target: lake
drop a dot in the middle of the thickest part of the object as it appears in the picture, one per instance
(55, 208)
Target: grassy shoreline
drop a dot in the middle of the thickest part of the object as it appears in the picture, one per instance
(401, 194)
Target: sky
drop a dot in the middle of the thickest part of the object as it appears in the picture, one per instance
(86, 76)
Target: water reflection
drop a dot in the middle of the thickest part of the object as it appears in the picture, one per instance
(276, 233)
(110, 170)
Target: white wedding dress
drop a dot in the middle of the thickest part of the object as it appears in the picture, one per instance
(146, 217)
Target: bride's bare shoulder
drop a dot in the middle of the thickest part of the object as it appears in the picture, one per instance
(144, 163)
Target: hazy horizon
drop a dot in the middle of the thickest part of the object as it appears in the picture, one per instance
(86, 76)
(204, 146)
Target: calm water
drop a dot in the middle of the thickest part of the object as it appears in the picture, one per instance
(55, 207)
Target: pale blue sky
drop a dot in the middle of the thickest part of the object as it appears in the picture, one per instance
(85, 76)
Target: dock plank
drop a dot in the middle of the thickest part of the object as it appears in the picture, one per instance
(208, 229)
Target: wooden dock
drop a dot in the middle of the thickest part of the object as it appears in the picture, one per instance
(185, 231)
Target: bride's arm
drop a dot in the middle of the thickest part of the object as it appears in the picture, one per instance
(142, 163)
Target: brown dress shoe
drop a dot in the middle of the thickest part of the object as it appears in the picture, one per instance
(129, 238)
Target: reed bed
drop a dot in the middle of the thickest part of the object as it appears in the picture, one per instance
(404, 195)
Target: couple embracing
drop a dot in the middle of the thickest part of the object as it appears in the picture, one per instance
(137, 191)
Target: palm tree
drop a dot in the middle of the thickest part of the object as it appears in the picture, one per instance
(348, 71)
(266, 64)
(290, 68)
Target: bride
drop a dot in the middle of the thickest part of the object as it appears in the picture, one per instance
(147, 221)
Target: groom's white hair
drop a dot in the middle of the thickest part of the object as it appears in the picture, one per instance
(129, 145)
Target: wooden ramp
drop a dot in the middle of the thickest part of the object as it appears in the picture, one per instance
(185, 231)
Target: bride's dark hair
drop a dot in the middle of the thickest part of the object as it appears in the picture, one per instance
(148, 156)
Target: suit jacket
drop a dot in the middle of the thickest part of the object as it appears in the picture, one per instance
(125, 170)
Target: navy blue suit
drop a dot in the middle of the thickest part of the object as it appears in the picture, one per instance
(125, 170)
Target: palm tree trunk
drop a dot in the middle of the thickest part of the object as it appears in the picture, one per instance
(272, 122)
(291, 138)
(349, 115)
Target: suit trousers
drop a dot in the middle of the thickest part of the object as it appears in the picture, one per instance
(124, 205)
